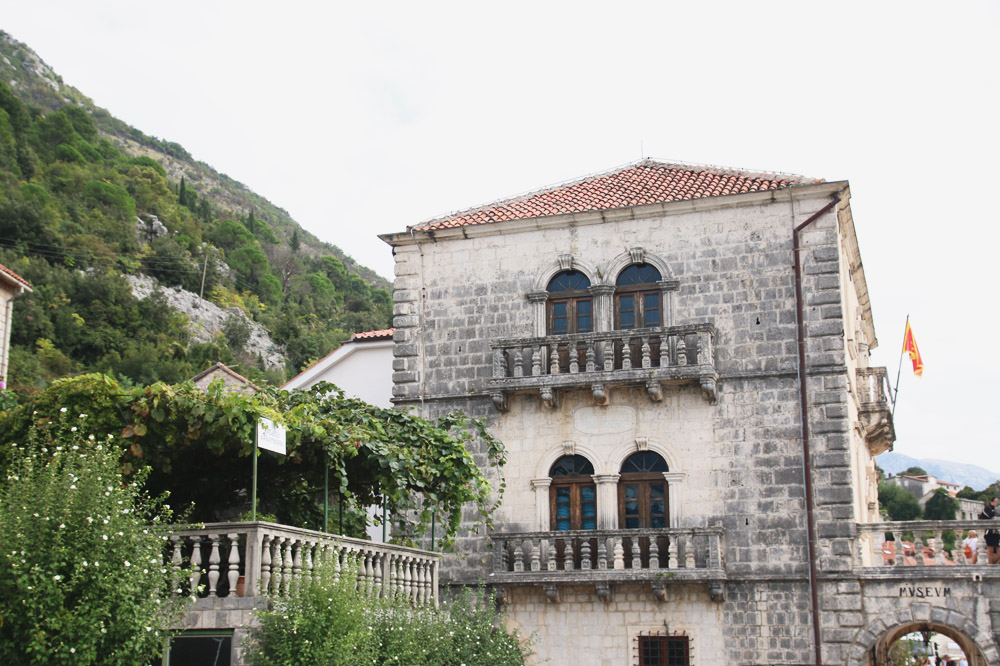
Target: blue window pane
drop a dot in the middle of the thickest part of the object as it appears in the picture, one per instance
(656, 490)
(631, 492)
(562, 511)
(562, 525)
(589, 510)
(583, 307)
(651, 302)
(569, 280)
(656, 508)
(658, 521)
(631, 523)
(587, 493)
(559, 309)
(631, 508)
(562, 494)
(589, 524)
(583, 325)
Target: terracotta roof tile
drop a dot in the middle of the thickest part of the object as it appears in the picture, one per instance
(385, 333)
(9, 273)
(635, 184)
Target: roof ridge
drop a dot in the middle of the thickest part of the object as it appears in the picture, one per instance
(646, 161)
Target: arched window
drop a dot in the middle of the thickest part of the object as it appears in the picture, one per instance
(638, 302)
(572, 495)
(570, 308)
(642, 491)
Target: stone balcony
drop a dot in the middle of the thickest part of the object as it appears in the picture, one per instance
(876, 554)
(875, 409)
(260, 559)
(655, 557)
(650, 357)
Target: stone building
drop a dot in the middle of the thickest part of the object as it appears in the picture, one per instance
(11, 286)
(676, 358)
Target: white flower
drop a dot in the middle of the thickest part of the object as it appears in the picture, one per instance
(127, 563)
(72, 650)
(73, 429)
(62, 409)
(83, 416)
(62, 526)
(104, 536)
(57, 578)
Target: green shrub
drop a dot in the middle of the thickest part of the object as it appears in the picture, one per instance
(83, 577)
(328, 622)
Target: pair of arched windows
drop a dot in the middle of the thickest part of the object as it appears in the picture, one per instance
(642, 493)
(638, 302)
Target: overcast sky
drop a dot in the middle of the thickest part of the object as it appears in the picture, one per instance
(362, 118)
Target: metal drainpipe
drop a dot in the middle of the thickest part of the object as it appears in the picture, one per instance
(804, 407)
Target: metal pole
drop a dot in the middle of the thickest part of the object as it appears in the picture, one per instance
(383, 520)
(899, 368)
(341, 514)
(326, 492)
(433, 518)
(253, 491)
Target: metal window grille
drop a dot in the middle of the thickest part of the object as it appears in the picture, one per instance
(662, 649)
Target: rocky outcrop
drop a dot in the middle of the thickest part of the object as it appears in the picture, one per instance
(206, 318)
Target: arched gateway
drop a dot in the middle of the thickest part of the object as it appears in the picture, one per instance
(871, 644)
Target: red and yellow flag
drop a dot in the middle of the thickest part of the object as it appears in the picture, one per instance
(910, 347)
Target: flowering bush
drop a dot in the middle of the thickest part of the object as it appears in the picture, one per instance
(82, 575)
(328, 622)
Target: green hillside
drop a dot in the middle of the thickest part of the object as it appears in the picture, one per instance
(86, 200)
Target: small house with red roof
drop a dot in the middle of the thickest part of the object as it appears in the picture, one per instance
(12, 285)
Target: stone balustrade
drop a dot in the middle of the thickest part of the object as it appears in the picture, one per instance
(646, 356)
(874, 398)
(923, 544)
(271, 559)
(608, 555)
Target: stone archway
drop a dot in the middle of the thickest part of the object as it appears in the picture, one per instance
(871, 645)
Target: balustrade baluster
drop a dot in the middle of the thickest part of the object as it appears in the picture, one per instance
(646, 360)
(234, 563)
(500, 556)
(662, 356)
(407, 578)
(554, 359)
(548, 554)
(636, 562)
(265, 564)
(307, 561)
(939, 557)
(536, 562)
(175, 562)
(213, 565)
(626, 353)
(425, 582)
(591, 359)
(337, 555)
(536, 362)
(377, 573)
(286, 566)
(369, 572)
(518, 554)
(574, 357)
(518, 362)
(499, 364)
(602, 553)
(672, 552)
(898, 545)
(195, 563)
(297, 563)
(654, 553)
(682, 355)
(585, 554)
(918, 549)
(568, 554)
(619, 553)
(689, 562)
(608, 348)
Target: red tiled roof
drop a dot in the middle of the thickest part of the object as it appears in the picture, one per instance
(373, 335)
(6, 271)
(644, 182)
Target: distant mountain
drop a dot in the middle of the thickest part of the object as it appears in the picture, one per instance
(978, 478)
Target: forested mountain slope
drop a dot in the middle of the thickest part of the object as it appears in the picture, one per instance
(86, 200)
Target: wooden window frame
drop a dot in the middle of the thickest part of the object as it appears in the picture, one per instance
(575, 484)
(572, 300)
(640, 307)
(644, 481)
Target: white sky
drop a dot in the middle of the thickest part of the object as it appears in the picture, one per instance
(361, 118)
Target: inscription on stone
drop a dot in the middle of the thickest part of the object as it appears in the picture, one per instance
(913, 591)
(604, 420)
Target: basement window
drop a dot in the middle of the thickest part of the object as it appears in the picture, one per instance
(660, 649)
(200, 648)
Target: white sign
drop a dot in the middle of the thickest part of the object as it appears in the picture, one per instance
(271, 436)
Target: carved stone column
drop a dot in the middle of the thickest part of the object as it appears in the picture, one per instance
(674, 480)
(667, 289)
(541, 488)
(538, 300)
(604, 310)
(607, 501)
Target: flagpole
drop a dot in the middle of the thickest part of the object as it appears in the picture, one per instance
(899, 368)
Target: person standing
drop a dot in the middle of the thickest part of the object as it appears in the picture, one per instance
(992, 536)
(970, 547)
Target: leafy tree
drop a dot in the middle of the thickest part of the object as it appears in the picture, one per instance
(84, 577)
(249, 262)
(237, 330)
(229, 235)
(193, 441)
(914, 471)
(897, 502)
(941, 506)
